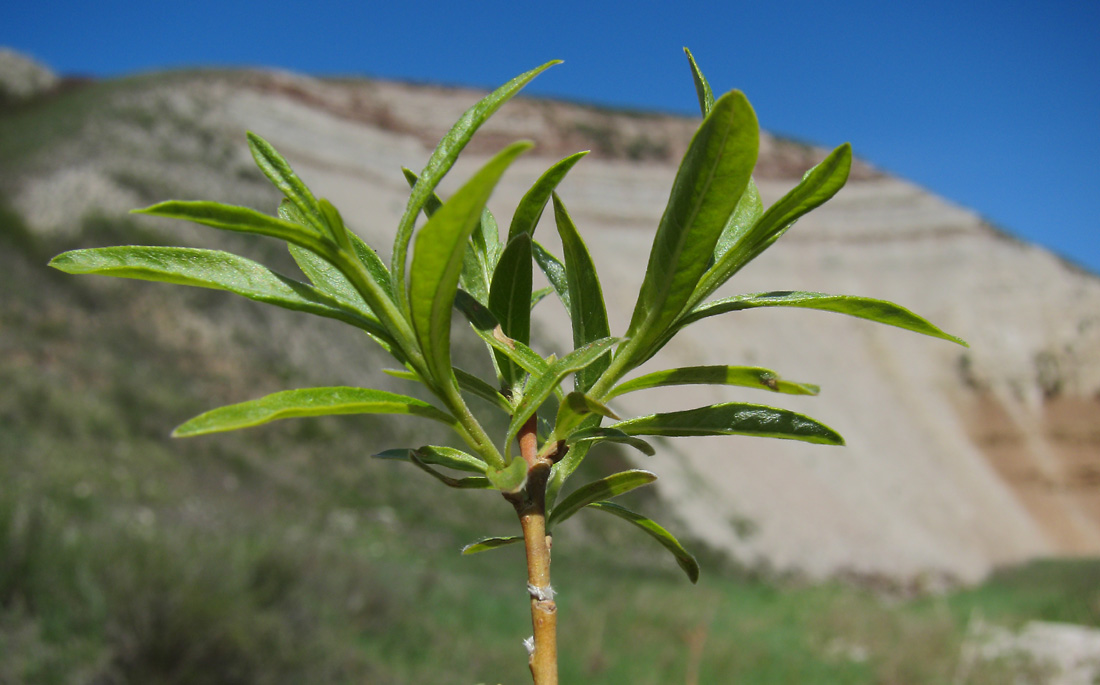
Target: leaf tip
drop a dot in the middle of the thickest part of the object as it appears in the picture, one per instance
(153, 209)
(60, 262)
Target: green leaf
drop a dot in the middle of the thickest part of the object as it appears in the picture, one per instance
(598, 490)
(278, 171)
(219, 271)
(432, 202)
(713, 175)
(437, 261)
(540, 387)
(554, 271)
(819, 185)
(479, 388)
(511, 478)
(510, 300)
(684, 558)
(586, 305)
(486, 544)
(440, 456)
(702, 88)
(745, 376)
(444, 456)
(575, 408)
(335, 222)
(326, 276)
(530, 208)
(308, 402)
(880, 311)
(476, 271)
(485, 325)
(562, 470)
(486, 240)
(466, 483)
(475, 274)
(443, 158)
(241, 220)
(526, 358)
(539, 294)
(748, 211)
(733, 418)
(590, 436)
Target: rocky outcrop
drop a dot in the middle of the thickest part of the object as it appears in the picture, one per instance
(22, 78)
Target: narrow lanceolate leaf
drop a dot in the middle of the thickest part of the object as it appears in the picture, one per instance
(702, 88)
(403, 374)
(575, 408)
(565, 468)
(590, 436)
(246, 220)
(358, 260)
(510, 300)
(278, 171)
(598, 490)
(308, 402)
(488, 329)
(432, 202)
(475, 275)
(586, 305)
(733, 418)
(540, 387)
(539, 294)
(443, 158)
(711, 179)
(684, 558)
(335, 223)
(437, 261)
(554, 271)
(440, 456)
(219, 271)
(326, 276)
(465, 483)
(748, 211)
(530, 207)
(819, 185)
(744, 376)
(486, 544)
(476, 272)
(241, 220)
(479, 388)
(485, 242)
(880, 311)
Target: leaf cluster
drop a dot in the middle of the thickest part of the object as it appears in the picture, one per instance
(713, 225)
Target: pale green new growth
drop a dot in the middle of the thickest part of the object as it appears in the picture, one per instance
(714, 224)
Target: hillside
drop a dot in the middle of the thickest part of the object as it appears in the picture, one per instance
(957, 460)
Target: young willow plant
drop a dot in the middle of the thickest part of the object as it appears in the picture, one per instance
(714, 224)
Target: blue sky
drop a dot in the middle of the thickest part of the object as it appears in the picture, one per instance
(994, 105)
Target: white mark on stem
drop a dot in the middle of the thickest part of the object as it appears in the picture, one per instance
(543, 594)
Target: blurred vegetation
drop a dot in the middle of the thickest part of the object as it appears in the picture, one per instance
(287, 555)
